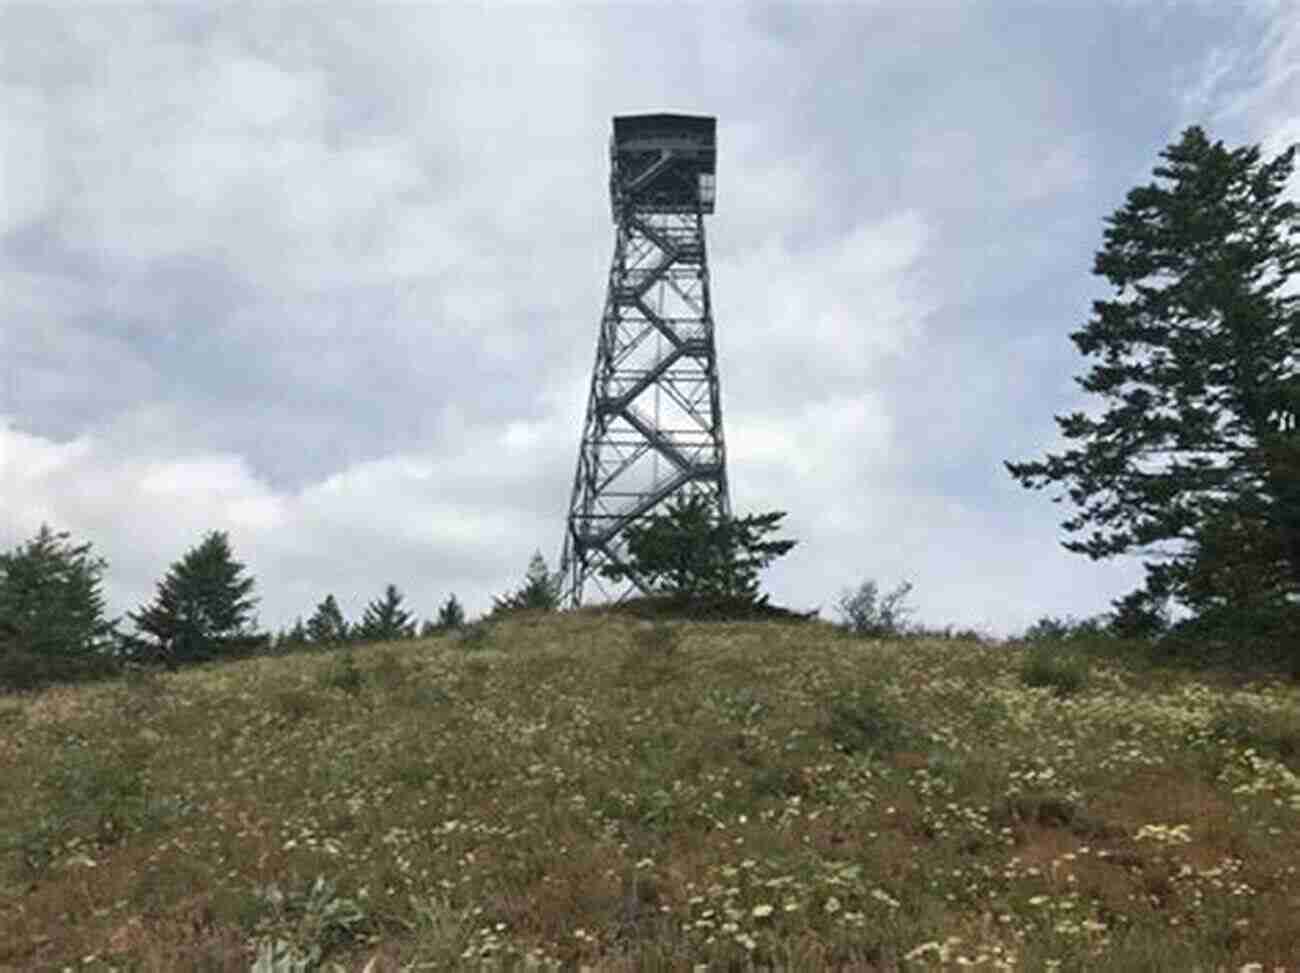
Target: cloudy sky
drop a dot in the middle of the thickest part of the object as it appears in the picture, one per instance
(329, 277)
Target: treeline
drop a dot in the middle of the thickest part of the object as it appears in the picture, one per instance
(53, 624)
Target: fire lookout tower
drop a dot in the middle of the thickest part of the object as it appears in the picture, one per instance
(654, 415)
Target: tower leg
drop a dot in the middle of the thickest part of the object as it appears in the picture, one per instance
(653, 426)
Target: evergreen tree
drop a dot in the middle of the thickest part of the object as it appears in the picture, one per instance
(203, 608)
(327, 625)
(385, 619)
(540, 590)
(52, 623)
(1195, 464)
(450, 615)
(690, 550)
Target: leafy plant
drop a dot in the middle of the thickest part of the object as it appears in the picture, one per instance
(278, 956)
(317, 919)
(859, 721)
(1047, 665)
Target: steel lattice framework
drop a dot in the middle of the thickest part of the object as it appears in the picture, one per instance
(654, 415)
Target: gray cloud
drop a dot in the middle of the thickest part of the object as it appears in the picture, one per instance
(330, 278)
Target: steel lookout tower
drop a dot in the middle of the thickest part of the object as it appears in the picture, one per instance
(654, 414)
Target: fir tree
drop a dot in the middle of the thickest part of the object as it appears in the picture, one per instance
(52, 623)
(327, 625)
(540, 590)
(385, 619)
(1195, 462)
(450, 615)
(690, 550)
(203, 608)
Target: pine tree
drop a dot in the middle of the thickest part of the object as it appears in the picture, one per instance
(1195, 464)
(385, 619)
(52, 623)
(327, 625)
(540, 590)
(451, 614)
(203, 607)
(690, 550)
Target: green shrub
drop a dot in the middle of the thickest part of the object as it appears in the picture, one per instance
(858, 721)
(1046, 665)
(24, 671)
(1275, 732)
(867, 613)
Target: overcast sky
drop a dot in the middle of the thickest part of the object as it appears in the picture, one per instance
(329, 278)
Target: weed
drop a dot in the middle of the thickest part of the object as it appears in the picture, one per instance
(1272, 731)
(387, 670)
(1048, 665)
(858, 721)
(143, 691)
(656, 638)
(294, 703)
(277, 956)
(343, 673)
(739, 705)
(317, 921)
(420, 694)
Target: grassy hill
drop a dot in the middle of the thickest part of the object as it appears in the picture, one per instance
(592, 791)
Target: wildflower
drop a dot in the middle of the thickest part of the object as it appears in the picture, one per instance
(883, 896)
(832, 905)
(919, 951)
(761, 911)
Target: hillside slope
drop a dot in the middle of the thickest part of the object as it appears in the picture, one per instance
(583, 790)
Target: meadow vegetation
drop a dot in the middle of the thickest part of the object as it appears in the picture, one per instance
(589, 790)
